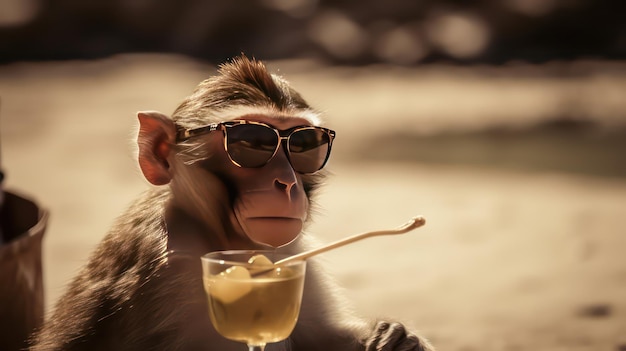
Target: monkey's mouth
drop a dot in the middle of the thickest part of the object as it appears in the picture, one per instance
(272, 231)
(274, 218)
(274, 221)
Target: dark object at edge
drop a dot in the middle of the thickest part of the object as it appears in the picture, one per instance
(23, 224)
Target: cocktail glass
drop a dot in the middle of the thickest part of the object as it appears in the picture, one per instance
(250, 299)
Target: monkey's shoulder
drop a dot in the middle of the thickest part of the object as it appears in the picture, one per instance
(138, 243)
(139, 234)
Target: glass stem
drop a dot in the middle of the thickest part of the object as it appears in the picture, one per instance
(256, 347)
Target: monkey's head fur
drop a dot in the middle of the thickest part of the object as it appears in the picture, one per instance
(241, 85)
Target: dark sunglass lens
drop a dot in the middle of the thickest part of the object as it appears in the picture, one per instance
(250, 145)
(308, 150)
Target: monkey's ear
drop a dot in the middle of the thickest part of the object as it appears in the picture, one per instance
(157, 134)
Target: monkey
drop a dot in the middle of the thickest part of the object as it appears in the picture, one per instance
(236, 166)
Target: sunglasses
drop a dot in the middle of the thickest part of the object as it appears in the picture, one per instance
(253, 144)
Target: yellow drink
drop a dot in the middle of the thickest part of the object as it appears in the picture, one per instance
(255, 310)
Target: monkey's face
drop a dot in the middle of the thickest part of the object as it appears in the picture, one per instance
(253, 185)
(269, 203)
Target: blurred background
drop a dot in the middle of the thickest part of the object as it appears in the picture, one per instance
(502, 122)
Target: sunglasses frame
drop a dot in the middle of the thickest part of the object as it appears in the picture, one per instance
(283, 138)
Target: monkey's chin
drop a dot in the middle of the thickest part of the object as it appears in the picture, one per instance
(272, 231)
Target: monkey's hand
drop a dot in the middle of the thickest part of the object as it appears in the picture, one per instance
(391, 336)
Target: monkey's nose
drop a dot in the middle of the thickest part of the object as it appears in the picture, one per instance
(284, 175)
(286, 185)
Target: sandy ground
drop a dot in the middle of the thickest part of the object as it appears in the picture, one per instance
(507, 260)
